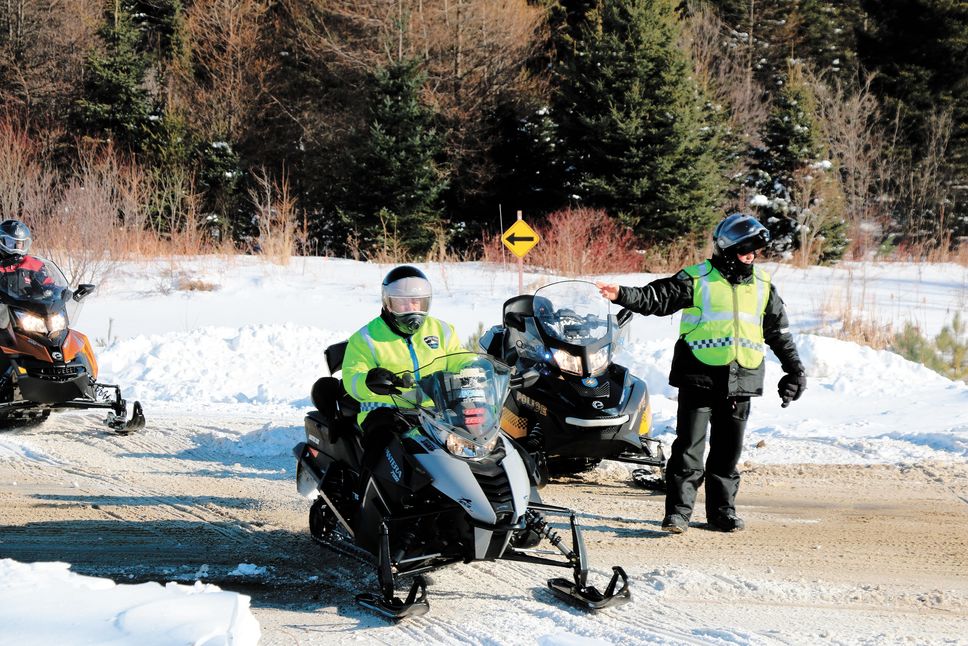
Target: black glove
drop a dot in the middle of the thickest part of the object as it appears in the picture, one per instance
(791, 386)
(383, 382)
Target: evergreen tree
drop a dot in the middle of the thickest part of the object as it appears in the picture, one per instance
(797, 197)
(918, 49)
(636, 139)
(394, 186)
(820, 32)
(115, 103)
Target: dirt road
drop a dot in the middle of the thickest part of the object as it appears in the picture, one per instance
(847, 554)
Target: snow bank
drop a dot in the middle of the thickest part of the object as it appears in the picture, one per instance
(88, 610)
(861, 406)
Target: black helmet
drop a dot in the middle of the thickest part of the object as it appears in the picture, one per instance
(740, 233)
(406, 295)
(14, 238)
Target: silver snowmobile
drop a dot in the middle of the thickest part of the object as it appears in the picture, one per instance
(453, 488)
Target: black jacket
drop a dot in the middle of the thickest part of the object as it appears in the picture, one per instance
(669, 295)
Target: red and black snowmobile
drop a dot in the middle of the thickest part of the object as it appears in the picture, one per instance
(44, 364)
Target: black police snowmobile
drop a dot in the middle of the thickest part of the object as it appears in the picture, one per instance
(452, 488)
(583, 408)
(45, 364)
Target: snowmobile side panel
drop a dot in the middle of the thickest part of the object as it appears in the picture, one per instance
(489, 544)
(322, 436)
(517, 474)
(78, 344)
(453, 478)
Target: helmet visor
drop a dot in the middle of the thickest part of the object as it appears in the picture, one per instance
(753, 243)
(408, 304)
(743, 236)
(11, 244)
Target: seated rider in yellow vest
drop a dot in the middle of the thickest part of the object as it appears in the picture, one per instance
(729, 309)
(403, 337)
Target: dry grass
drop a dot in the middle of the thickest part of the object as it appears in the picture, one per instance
(575, 242)
(105, 208)
(277, 217)
(852, 318)
(670, 258)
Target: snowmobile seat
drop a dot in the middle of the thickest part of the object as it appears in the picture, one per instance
(325, 394)
(334, 356)
(332, 401)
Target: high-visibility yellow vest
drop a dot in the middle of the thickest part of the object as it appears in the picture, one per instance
(725, 322)
(377, 345)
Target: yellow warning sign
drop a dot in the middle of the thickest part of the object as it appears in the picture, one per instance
(520, 238)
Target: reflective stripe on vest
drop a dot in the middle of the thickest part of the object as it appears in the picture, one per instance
(725, 322)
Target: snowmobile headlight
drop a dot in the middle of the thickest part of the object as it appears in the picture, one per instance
(463, 448)
(31, 323)
(56, 322)
(568, 362)
(598, 362)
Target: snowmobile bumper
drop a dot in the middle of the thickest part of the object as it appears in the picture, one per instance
(48, 391)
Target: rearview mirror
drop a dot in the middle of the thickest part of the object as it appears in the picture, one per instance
(623, 317)
(83, 290)
(515, 320)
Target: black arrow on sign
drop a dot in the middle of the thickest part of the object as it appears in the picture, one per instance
(513, 239)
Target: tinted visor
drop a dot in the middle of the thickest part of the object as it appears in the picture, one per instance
(753, 243)
(743, 236)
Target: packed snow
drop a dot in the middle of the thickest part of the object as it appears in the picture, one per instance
(46, 603)
(240, 336)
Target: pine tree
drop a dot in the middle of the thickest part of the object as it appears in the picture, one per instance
(797, 196)
(393, 190)
(771, 32)
(918, 50)
(115, 103)
(633, 124)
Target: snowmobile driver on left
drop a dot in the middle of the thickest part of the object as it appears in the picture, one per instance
(403, 337)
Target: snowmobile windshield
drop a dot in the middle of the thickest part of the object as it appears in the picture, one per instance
(466, 393)
(33, 280)
(573, 312)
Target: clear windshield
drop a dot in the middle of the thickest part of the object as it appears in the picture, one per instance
(572, 311)
(464, 393)
(35, 280)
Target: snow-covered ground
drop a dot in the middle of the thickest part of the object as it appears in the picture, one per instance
(250, 344)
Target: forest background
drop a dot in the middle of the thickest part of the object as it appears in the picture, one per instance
(414, 129)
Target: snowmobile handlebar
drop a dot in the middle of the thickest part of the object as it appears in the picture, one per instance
(525, 379)
(383, 382)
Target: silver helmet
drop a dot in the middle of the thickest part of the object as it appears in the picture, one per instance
(406, 295)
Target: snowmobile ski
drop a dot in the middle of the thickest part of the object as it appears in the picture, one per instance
(589, 597)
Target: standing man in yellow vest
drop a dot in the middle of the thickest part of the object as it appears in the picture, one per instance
(730, 308)
(403, 337)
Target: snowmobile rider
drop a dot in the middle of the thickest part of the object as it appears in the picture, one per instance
(403, 337)
(730, 307)
(20, 273)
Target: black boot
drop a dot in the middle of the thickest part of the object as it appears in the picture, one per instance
(727, 522)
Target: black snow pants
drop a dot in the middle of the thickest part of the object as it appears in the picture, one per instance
(726, 418)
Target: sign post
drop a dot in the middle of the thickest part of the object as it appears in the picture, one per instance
(520, 239)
